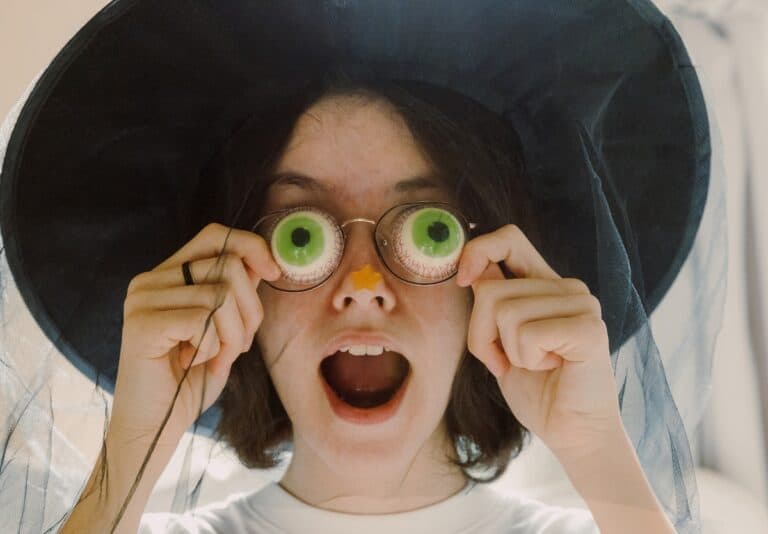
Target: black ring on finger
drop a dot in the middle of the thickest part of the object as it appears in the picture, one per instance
(188, 280)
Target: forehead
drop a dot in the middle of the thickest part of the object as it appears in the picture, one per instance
(346, 150)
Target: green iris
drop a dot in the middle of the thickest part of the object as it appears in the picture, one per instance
(299, 240)
(435, 232)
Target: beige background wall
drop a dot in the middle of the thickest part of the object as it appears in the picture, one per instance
(31, 34)
(33, 31)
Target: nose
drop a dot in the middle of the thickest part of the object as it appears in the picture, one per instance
(364, 273)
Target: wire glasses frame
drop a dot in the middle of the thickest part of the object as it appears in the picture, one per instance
(469, 228)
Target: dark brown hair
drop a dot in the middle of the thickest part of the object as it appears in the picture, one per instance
(479, 152)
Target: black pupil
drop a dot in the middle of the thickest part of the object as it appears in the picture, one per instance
(438, 231)
(300, 237)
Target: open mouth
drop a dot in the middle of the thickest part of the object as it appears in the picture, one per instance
(365, 382)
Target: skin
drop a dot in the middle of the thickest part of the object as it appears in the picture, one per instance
(361, 149)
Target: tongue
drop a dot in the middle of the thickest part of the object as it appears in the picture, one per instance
(348, 374)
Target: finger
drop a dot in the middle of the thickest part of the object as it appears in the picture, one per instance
(246, 298)
(483, 333)
(230, 328)
(219, 297)
(216, 238)
(219, 367)
(513, 314)
(508, 244)
(233, 271)
(489, 290)
(173, 327)
(207, 296)
(205, 271)
(212, 270)
(546, 344)
(488, 294)
(210, 347)
(491, 272)
(496, 317)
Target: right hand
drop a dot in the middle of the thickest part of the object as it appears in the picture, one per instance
(163, 324)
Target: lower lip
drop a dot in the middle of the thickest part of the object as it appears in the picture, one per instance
(370, 416)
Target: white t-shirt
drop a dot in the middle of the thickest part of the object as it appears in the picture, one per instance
(476, 509)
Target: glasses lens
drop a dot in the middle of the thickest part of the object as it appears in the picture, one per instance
(306, 243)
(420, 243)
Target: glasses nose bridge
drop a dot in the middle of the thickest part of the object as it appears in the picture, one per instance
(344, 230)
(370, 235)
(356, 219)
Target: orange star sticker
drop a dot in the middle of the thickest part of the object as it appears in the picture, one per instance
(365, 278)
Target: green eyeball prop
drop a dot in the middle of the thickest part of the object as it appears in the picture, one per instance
(428, 241)
(306, 245)
(418, 244)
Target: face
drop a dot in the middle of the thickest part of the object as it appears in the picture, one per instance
(359, 151)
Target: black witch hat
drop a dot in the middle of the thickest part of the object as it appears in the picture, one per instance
(99, 179)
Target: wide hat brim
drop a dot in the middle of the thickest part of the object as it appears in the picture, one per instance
(99, 168)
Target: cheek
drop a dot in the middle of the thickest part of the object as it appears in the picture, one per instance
(268, 308)
(270, 335)
(282, 313)
(462, 300)
(276, 306)
(465, 299)
(455, 308)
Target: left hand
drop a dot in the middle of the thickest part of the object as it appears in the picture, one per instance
(543, 338)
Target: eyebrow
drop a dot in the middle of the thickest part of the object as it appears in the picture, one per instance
(417, 183)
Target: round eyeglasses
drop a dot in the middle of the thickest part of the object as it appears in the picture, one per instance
(418, 242)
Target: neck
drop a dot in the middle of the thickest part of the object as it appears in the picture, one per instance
(379, 482)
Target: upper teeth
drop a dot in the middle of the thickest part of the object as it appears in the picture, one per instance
(363, 350)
